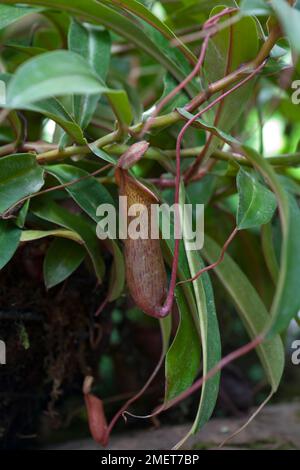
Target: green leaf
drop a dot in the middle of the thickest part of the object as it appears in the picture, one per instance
(257, 203)
(269, 251)
(227, 138)
(9, 241)
(200, 301)
(227, 51)
(62, 259)
(52, 74)
(145, 13)
(255, 7)
(142, 35)
(21, 217)
(189, 320)
(50, 211)
(252, 311)
(94, 45)
(31, 235)
(166, 330)
(121, 107)
(20, 176)
(183, 357)
(289, 18)
(286, 303)
(210, 335)
(53, 109)
(30, 51)
(10, 14)
(101, 154)
(88, 193)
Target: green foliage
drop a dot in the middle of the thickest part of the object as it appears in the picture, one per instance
(9, 241)
(81, 80)
(289, 18)
(256, 203)
(62, 259)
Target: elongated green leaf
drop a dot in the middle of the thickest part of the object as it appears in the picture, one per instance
(101, 154)
(252, 311)
(183, 357)
(20, 176)
(257, 203)
(53, 109)
(209, 127)
(49, 210)
(166, 330)
(286, 303)
(52, 74)
(210, 335)
(176, 357)
(30, 51)
(31, 235)
(255, 7)
(9, 241)
(200, 302)
(227, 51)
(141, 11)
(120, 104)
(62, 259)
(94, 45)
(10, 14)
(269, 251)
(88, 192)
(22, 214)
(92, 11)
(289, 19)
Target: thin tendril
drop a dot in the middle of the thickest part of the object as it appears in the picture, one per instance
(216, 263)
(122, 412)
(238, 431)
(219, 366)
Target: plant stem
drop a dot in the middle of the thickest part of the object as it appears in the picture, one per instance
(158, 154)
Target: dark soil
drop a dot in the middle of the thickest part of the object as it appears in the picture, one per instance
(48, 338)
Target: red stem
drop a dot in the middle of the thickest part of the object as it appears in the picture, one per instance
(161, 312)
(134, 398)
(198, 384)
(221, 364)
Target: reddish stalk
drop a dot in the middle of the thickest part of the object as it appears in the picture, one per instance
(252, 417)
(216, 263)
(170, 183)
(162, 311)
(123, 409)
(223, 363)
(242, 351)
(55, 188)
